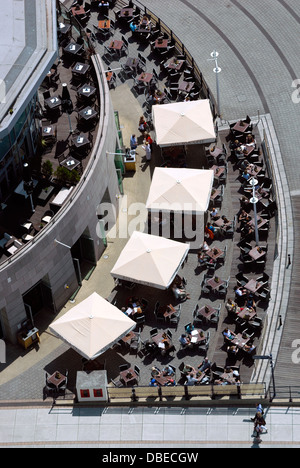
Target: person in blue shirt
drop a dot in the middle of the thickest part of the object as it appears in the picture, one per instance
(133, 142)
(133, 26)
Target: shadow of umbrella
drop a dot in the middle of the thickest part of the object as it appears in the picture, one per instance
(66, 103)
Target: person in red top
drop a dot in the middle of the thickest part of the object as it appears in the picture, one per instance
(149, 140)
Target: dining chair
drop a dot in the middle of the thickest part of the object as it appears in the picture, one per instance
(137, 370)
(124, 367)
(117, 383)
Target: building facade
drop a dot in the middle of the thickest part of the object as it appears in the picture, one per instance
(46, 271)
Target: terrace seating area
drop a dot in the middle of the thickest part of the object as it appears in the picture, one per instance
(175, 333)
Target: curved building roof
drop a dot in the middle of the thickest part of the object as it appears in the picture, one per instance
(28, 47)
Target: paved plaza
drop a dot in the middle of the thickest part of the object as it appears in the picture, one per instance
(146, 428)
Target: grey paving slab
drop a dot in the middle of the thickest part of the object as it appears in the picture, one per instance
(168, 428)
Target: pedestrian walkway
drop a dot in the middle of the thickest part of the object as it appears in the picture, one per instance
(152, 428)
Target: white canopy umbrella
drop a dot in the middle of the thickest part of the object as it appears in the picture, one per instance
(150, 260)
(92, 326)
(180, 189)
(184, 123)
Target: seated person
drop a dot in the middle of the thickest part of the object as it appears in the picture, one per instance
(191, 380)
(155, 371)
(232, 350)
(170, 382)
(202, 258)
(231, 305)
(184, 340)
(189, 328)
(249, 348)
(180, 293)
(168, 370)
(133, 25)
(250, 303)
(239, 291)
(205, 365)
(245, 175)
(228, 334)
(143, 126)
(250, 140)
(204, 247)
(214, 213)
(153, 383)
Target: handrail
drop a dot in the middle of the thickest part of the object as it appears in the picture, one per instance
(185, 392)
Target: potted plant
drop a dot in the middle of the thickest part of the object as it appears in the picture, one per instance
(47, 169)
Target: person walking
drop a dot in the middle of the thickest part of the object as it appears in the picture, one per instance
(259, 409)
(259, 424)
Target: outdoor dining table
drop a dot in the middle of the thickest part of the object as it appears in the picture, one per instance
(104, 24)
(48, 131)
(159, 96)
(254, 170)
(168, 311)
(185, 86)
(80, 68)
(70, 163)
(249, 150)
(132, 62)
(238, 127)
(128, 376)
(256, 253)
(253, 285)
(215, 193)
(214, 253)
(143, 28)
(197, 336)
(215, 284)
(218, 170)
(246, 314)
(53, 102)
(64, 28)
(78, 10)
(145, 77)
(175, 64)
(160, 339)
(260, 222)
(161, 43)
(87, 90)
(87, 113)
(162, 379)
(126, 12)
(116, 45)
(239, 340)
(80, 140)
(73, 48)
(215, 152)
(207, 311)
(228, 377)
(56, 379)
